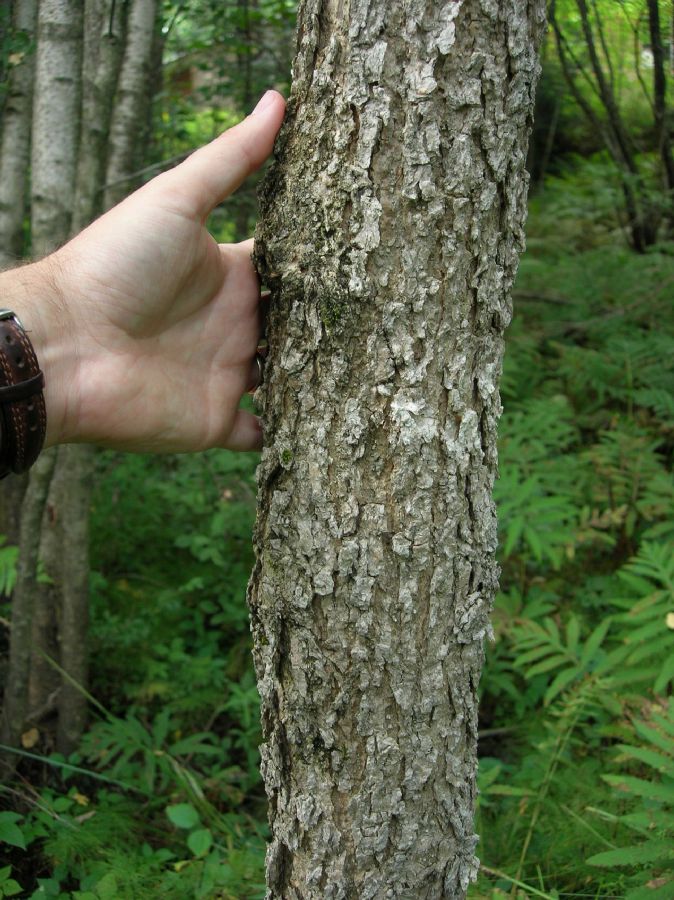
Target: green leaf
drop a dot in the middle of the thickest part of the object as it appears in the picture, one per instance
(107, 888)
(560, 682)
(594, 642)
(572, 634)
(647, 892)
(656, 760)
(553, 662)
(183, 815)
(10, 833)
(631, 785)
(666, 675)
(651, 851)
(200, 842)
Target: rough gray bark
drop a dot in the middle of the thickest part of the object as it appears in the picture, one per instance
(15, 142)
(392, 223)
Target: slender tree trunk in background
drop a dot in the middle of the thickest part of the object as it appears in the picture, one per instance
(14, 167)
(15, 700)
(15, 146)
(642, 216)
(392, 224)
(104, 33)
(662, 126)
(101, 59)
(44, 678)
(132, 100)
(6, 13)
(69, 169)
(56, 127)
(76, 462)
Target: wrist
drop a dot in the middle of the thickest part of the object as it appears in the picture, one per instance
(34, 293)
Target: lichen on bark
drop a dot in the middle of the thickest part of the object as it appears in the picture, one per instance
(392, 221)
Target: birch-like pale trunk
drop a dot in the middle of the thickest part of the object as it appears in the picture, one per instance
(134, 92)
(118, 44)
(15, 698)
(15, 141)
(392, 223)
(14, 168)
(55, 130)
(104, 38)
(56, 122)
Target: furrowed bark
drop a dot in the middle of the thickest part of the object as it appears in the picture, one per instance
(15, 142)
(392, 222)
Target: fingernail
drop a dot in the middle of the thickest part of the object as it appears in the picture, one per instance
(264, 102)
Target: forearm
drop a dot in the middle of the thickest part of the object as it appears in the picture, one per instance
(33, 292)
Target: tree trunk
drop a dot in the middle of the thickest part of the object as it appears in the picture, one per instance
(55, 129)
(101, 61)
(103, 45)
(132, 100)
(15, 700)
(14, 167)
(55, 122)
(662, 126)
(392, 224)
(15, 146)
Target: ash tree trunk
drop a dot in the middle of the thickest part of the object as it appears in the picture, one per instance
(392, 223)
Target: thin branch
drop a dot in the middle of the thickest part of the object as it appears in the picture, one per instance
(163, 164)
(604, 45)
(637, 64)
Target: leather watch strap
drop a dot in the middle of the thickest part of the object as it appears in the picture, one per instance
(23, 417)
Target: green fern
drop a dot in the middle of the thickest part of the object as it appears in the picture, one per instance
(544, 649)
(645, 653)
(651, 851)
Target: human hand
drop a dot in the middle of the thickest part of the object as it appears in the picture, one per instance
(148, 335)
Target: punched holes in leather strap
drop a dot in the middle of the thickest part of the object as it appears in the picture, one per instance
(22, 407)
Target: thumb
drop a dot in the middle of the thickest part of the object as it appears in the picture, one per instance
(216, 170)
